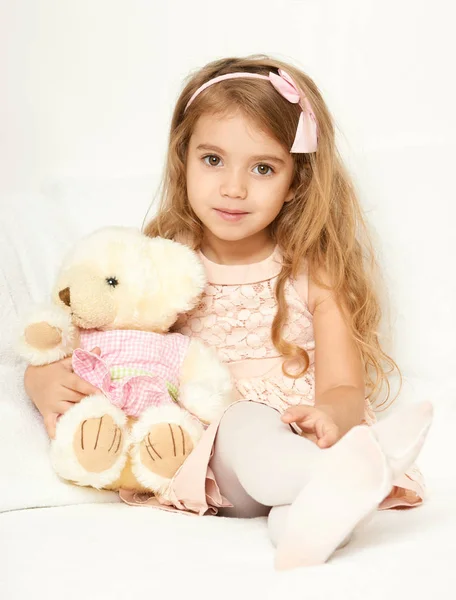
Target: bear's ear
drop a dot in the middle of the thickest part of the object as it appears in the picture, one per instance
(180, 272)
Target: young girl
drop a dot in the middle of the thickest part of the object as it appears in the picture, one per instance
(254, 183)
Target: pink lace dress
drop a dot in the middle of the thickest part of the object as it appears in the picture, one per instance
(234, 316)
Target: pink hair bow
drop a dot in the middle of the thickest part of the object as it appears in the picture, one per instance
(306, 132)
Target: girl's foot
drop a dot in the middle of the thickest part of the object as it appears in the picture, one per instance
(402, 435)
(353, 478)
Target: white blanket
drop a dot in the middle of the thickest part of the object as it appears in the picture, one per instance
(115, 551)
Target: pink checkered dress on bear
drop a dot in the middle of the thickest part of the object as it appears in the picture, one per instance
(136, 369)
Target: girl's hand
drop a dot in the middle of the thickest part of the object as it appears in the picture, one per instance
(55, 388)
(317, 423)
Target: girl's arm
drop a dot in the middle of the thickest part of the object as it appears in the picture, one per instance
(339, 372)
(339, 376)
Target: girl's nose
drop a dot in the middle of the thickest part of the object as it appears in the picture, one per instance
(234, 186)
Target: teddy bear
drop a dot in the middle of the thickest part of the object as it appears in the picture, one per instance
(121, 292)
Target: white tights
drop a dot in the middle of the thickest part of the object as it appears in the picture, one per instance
(260, 464)
(265, 469)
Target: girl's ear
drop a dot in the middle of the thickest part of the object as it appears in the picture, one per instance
(289, 197)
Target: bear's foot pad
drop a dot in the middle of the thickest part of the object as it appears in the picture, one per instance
(98, 444)
(165, 448)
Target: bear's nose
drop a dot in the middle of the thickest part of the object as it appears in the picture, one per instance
(64, 296)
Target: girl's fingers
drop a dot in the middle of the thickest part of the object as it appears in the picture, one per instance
(77, 384)
(71, 396)
(327, 433)
(306, 427)
(321, 428)
(50, 422)
(311, 421)
(67, 363)
(294, 414)
(63, 406)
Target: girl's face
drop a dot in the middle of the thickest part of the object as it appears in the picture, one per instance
(238, 177)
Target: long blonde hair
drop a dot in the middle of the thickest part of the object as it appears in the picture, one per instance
(323, 224)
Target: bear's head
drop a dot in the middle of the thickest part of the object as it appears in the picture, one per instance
(118, 278)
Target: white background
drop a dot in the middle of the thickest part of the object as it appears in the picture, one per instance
(88, 88)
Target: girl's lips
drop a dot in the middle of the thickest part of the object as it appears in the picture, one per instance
(230, 216)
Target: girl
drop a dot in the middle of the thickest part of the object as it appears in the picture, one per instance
(254, 183)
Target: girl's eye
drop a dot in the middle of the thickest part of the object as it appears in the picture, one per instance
(264, 169)
(211, 160)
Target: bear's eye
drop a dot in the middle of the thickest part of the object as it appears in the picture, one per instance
(112, 281)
